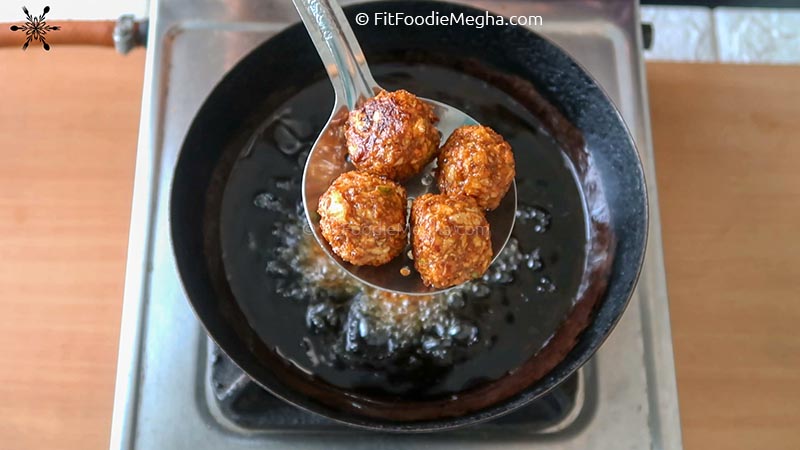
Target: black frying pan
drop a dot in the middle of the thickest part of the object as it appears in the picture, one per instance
(578, 243)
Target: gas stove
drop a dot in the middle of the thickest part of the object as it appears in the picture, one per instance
(176, 390)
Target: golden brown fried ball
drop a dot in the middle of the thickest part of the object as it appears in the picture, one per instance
(477, 162)
(363, 218)
(451, 239)
(392, 135)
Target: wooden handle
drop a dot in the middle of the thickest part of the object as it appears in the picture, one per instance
(72, 32)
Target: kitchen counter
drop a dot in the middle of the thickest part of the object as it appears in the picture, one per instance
(726, 141)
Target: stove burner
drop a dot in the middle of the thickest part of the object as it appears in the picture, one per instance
(239, 400)
(170, 394)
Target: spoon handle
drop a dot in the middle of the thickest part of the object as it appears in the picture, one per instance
(339, 50)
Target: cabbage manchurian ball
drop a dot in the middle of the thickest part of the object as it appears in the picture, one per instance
(451, 239)
(477, 162)
(363, 218)
(392, 135)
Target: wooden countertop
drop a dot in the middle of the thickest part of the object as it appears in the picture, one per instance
(727, 143)
(726, 140)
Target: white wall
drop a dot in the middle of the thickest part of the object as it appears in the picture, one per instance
(730, 35)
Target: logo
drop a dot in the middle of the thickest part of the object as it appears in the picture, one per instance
(35, 28)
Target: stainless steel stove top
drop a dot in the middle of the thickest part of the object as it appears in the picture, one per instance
(174, 391)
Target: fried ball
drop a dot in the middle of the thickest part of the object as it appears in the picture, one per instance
(392, 135)
(363, 218)
(451, 239)
(477, 162)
